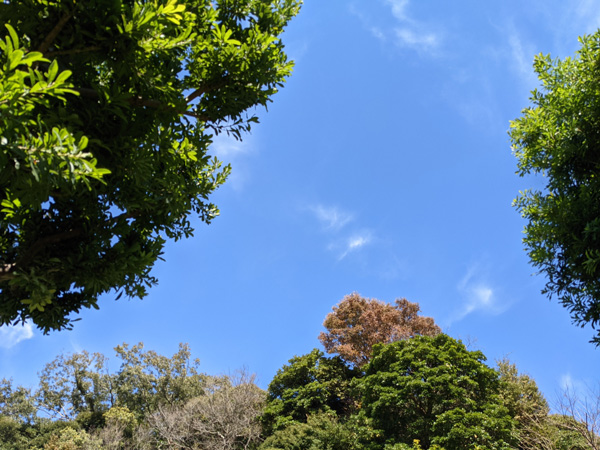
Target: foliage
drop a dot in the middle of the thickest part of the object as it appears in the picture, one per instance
(80, 385)
(358, 323)
(434, 390)
(226, 418)
(16, 403)
(147, 379)
(322, 431)
(557, 137)
(308, 385)
(107, 112)
(70, 439)
(74, 385)
(525, 403)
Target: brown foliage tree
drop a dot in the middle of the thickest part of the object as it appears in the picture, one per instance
(358, 323)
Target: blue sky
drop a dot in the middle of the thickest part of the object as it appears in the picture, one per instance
(384, 168)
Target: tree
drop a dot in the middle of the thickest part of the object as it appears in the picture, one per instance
(227, 418)
(76, 385)
(80, 387)
(433, 389)
(16, 403)
(557, 137)
(107, 112)
(309, 384)
(580, 418)
(525, 403)
(358, 323)
(321, 431)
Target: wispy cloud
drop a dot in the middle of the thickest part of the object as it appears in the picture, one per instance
(332, 217)
(354, 243)
(520, 58)
(405, 32)
(410, 38)
(342, 239)
(398, 8)
(568, 383)
(231, 151)
(12, 335)
(227, 147)
(478, 296)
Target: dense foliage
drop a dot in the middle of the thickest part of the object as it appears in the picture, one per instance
(558, 137)
(433, 389)
(417, 393)
(107, 112)
(150, 402)
(308, 385)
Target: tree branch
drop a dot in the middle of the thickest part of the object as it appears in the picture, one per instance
(47, 42)
(207, 88)
(6, 272)
(73, 51)
(140, 101)
(42, 243)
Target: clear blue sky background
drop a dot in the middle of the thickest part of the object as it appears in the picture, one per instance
(384, 168)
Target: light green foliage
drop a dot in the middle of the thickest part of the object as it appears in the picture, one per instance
(434, 390)
(16, 403)
(526, 404)
(107, 112)
(76, 385)
(558, 138)
(565, 433)
(307, 385)
(70, 439)
(147, 379)
(80, 385)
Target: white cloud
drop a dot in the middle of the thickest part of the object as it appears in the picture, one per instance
(478, 296)
(398, 9)
(521, 58)
(12, 335)
(231, 151)
(331, 217)
(354, 243)
(410, 38)
(405, 31)
(378, 33)
(411, 33)
(227, 147)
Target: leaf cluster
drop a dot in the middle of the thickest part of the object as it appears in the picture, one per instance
(558, 138)
(108, 109)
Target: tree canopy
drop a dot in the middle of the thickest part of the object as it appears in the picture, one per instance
(307, 385)
(107, 112)
(558, 137)
(357, 323)
(433, 389)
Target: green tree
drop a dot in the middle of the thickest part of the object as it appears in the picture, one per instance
(557, 137)
(433, 389)
(107, 112)
(321, 431)
(80, 387)
(17, 403)
(146, 379)
(76, 386)
(309, 384)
